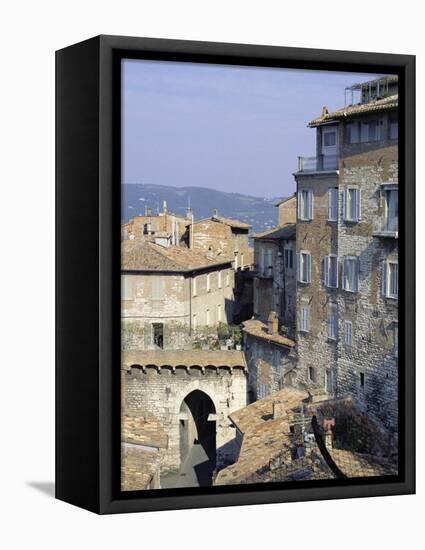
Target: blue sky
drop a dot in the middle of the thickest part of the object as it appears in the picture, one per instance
(230, 128)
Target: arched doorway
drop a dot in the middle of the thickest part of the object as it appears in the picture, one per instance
(198, 433)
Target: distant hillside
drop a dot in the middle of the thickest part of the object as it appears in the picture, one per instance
(259, 212)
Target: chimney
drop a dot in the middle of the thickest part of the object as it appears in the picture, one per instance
(273, 323)
(164, 207)
(279, 409)
(325, 111)
(215, 213)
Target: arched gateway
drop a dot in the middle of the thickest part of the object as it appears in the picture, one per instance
(191, 394)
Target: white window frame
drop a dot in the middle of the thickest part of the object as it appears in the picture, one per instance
(357, 273)
(304, 255)
(388, 191)
(327, 279)
(333, 204)
(386, 279)
(305, 209)
(346, 202)
(329, 381)
(333, 322)
(348, 333)
(305, 319)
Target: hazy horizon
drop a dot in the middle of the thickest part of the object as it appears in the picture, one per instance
(229, 128)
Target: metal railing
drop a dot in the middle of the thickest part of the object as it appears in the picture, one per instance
(321, 163)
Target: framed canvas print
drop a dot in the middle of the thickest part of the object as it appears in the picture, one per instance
(235, 274)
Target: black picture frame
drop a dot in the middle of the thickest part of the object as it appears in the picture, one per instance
(88, 269)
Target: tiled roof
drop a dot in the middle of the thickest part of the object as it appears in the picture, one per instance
(227, 221)
(385, 104)
(286, 231)
(199, 358)
(362, 465)
(255, 327)
(138, 466)
(285, 199)
(139, 255)
(142, 429)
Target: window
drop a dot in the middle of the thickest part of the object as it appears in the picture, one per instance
(391, 210)
(268, 262)
(304, 267)
(157, 287)
(305, 319)
(262, 391)
(352, 204)
(330, 269)
(333, 322)
(207, 318)
(329, 138)
(348, 333)
(126, 287)
(158, 334)
(288, 255)
(333, 204)
(350, 274)
(227, 278)
(362, 380)
(352, 133)
(305, 205)
(390, 279)
(219, 313)
(312, 374)
(395, 346)
(219, 279)
(194, 286)
(372, 131)
(393, 129)
(208, 282)
(328, 381)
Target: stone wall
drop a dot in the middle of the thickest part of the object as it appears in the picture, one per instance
(162, 392)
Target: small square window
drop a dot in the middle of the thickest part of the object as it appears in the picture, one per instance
(312, 374)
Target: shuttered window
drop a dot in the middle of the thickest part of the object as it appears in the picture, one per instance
(305, 205)
(157, 287)
(305, 319)
(352, 204)
(389, 279)
(333, 204)
(348, 333)
(304, 267)
(330, 271)
(350, 274)
(333, 322)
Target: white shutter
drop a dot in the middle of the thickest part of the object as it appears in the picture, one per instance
(326, 270)
(311, 201)
(357, 271)
(384, 276)
(344, 204)
(308, 258)
(337, 262)
(299, 195)
(359, 204)
(344, 283)
(299, 267)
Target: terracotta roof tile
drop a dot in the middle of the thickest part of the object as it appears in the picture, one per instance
(257, 328)
(286, 231)
(187, 358)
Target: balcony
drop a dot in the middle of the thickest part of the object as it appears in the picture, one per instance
(321, 163)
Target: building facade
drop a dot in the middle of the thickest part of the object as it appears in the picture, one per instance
(347, 252)
(171, 296)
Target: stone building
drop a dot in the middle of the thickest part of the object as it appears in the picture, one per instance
(222, 236)
(191, 395)
(347, 251)
(171, 295)
(169, 227)
(287, 210)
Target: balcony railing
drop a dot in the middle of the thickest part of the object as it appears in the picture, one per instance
(322, 163)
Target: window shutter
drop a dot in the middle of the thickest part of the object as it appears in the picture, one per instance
(326, 270)
(359, 204)
(310, 217)
(344, 204)
(299, 267)
(384, 276)
(308, 258)
(299, 204)
(337, 262)
(344, 283)
(357, 264)
(329, 204)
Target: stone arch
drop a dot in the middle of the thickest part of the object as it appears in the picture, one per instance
(197, 423)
